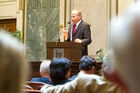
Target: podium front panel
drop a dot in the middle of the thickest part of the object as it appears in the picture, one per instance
(70, 50)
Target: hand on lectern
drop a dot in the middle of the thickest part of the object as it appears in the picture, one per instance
(78, 40)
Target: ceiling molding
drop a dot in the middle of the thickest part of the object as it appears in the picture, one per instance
(3, 1)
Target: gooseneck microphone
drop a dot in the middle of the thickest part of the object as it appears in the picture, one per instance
(71, 32)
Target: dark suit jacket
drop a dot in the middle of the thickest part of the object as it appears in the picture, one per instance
(82, 32)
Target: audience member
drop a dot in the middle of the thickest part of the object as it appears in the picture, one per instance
(12, 64)
(44, 72)
(125, 43)
(85, 83)
(107, 66)
(110, 72)
(60, 71)
(87, 66)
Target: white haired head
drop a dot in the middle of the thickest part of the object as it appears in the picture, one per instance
(44, 67)
(108, 63)
(125, 42)
(12, 64)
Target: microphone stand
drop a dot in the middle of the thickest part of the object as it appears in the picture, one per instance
(71, 30)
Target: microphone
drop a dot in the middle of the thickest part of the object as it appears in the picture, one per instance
(71, 32)
(69, 22)
(58, 39)
(98, 51)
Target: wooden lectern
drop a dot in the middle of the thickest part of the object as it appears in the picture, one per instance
(70, 50)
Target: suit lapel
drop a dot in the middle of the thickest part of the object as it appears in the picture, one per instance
(77, 29)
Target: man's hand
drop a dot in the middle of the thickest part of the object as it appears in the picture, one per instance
(78, 40)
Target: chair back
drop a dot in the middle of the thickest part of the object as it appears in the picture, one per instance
(35, 85)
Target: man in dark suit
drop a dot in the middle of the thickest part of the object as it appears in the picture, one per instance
(79, 32)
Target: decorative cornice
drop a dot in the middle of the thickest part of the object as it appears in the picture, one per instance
(7, 3)
(7, 17)
(4, 1)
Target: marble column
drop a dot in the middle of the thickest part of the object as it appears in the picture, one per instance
(42, 21)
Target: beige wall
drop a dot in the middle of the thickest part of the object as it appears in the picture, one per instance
(7, 10)
(123, 4)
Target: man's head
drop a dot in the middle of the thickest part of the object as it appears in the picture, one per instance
(76, 16)
(44, 68)
(87, 65)
(12, 64)
(60, 69)
(125, 43)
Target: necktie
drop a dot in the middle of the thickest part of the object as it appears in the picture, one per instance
(74, 29)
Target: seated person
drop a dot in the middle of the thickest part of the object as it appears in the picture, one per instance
(44, 72)
(86, 66)
(60, 71)
(84, 83)
(109, 72)
(12, 64)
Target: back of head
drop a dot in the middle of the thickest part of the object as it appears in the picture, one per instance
(11, 64)
(108, 69)
(125, 43)
(59, 67)
(86, 63)
(108, 62)
(44, 67)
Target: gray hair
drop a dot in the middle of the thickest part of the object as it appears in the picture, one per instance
(108, 62)
(125, 42)
(78, 11)
(12, 64)
(44, 66)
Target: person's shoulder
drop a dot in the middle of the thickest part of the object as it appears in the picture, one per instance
(45, 79)
(42, 79)
(35, 79)
(85, 24)
(89, 77)
(73, 77)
